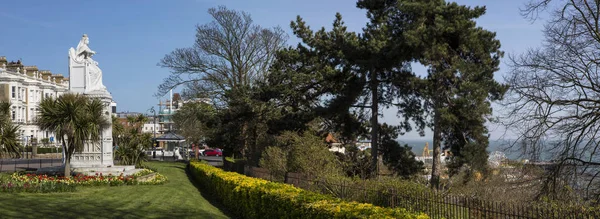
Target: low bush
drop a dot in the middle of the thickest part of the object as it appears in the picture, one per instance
(18, 182)
(44, 150)
(249, 197)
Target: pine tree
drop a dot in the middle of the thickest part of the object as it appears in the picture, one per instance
(461, 59)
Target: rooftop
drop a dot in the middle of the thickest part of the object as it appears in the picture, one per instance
(32, 71)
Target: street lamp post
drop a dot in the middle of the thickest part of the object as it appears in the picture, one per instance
(154, 132)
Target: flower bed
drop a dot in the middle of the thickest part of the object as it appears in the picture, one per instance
(249, 197)
(44, 183)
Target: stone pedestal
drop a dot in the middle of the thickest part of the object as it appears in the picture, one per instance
(99, 154)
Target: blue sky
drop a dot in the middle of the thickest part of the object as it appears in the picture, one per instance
(131, 36)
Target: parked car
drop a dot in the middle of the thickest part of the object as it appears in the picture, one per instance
(159, 152)
(193, 153)
(212, 152)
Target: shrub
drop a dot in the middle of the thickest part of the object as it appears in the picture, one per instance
(300, 153)
(47, 150)
(275, 160)
(249, 197)
(383, 191)
(42, 183)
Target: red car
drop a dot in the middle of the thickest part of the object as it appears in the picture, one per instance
(213, 152)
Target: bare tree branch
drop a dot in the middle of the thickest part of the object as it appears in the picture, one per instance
(554, 101)
(229, 52)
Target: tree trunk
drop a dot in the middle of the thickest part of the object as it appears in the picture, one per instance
(244, 142)
(66, 157)
(374, 124)
(68, 166)
(436, 167)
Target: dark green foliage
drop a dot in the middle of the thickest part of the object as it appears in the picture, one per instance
(461, 59)
(356, 163)
(358, 73)
(9, 137)
(130, 141)
(49, 150)
(398, 157)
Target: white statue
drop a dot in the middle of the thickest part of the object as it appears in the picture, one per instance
(83, 54)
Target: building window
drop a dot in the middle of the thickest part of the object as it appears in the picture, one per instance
(14, 91)
(14, 114)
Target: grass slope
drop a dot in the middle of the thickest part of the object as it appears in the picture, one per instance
(178, 198)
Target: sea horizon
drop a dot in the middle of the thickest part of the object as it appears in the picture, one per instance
(417, 145)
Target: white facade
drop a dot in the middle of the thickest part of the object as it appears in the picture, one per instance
(24, 87)
(149, 128)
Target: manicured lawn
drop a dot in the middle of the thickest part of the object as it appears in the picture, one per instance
(178, 198)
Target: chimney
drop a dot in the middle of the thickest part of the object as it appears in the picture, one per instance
(58, 78)
(14, 66)
(30, 70)
(3, 62)
(46, 74)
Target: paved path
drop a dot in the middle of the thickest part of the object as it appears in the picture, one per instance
(215, 161)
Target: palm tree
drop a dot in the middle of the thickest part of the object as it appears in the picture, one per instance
(9, 137)
(140, 121)
(131, 141)
(118, 130)
(76, 119)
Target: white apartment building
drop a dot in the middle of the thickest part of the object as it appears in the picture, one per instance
(24, 87)
(151, 125)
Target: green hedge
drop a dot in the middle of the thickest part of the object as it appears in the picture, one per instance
(48, 150)
(43, 150)
(248, 197)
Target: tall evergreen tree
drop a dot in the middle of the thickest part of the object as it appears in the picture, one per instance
(461, 59)
(359, 73)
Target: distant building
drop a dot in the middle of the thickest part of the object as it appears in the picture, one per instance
(113, 107)
(334, 144)
(24, 87)
(363, 145)
(151, 124)
(124, 115)
(198, 100)
(165, 114)
(168, 107)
